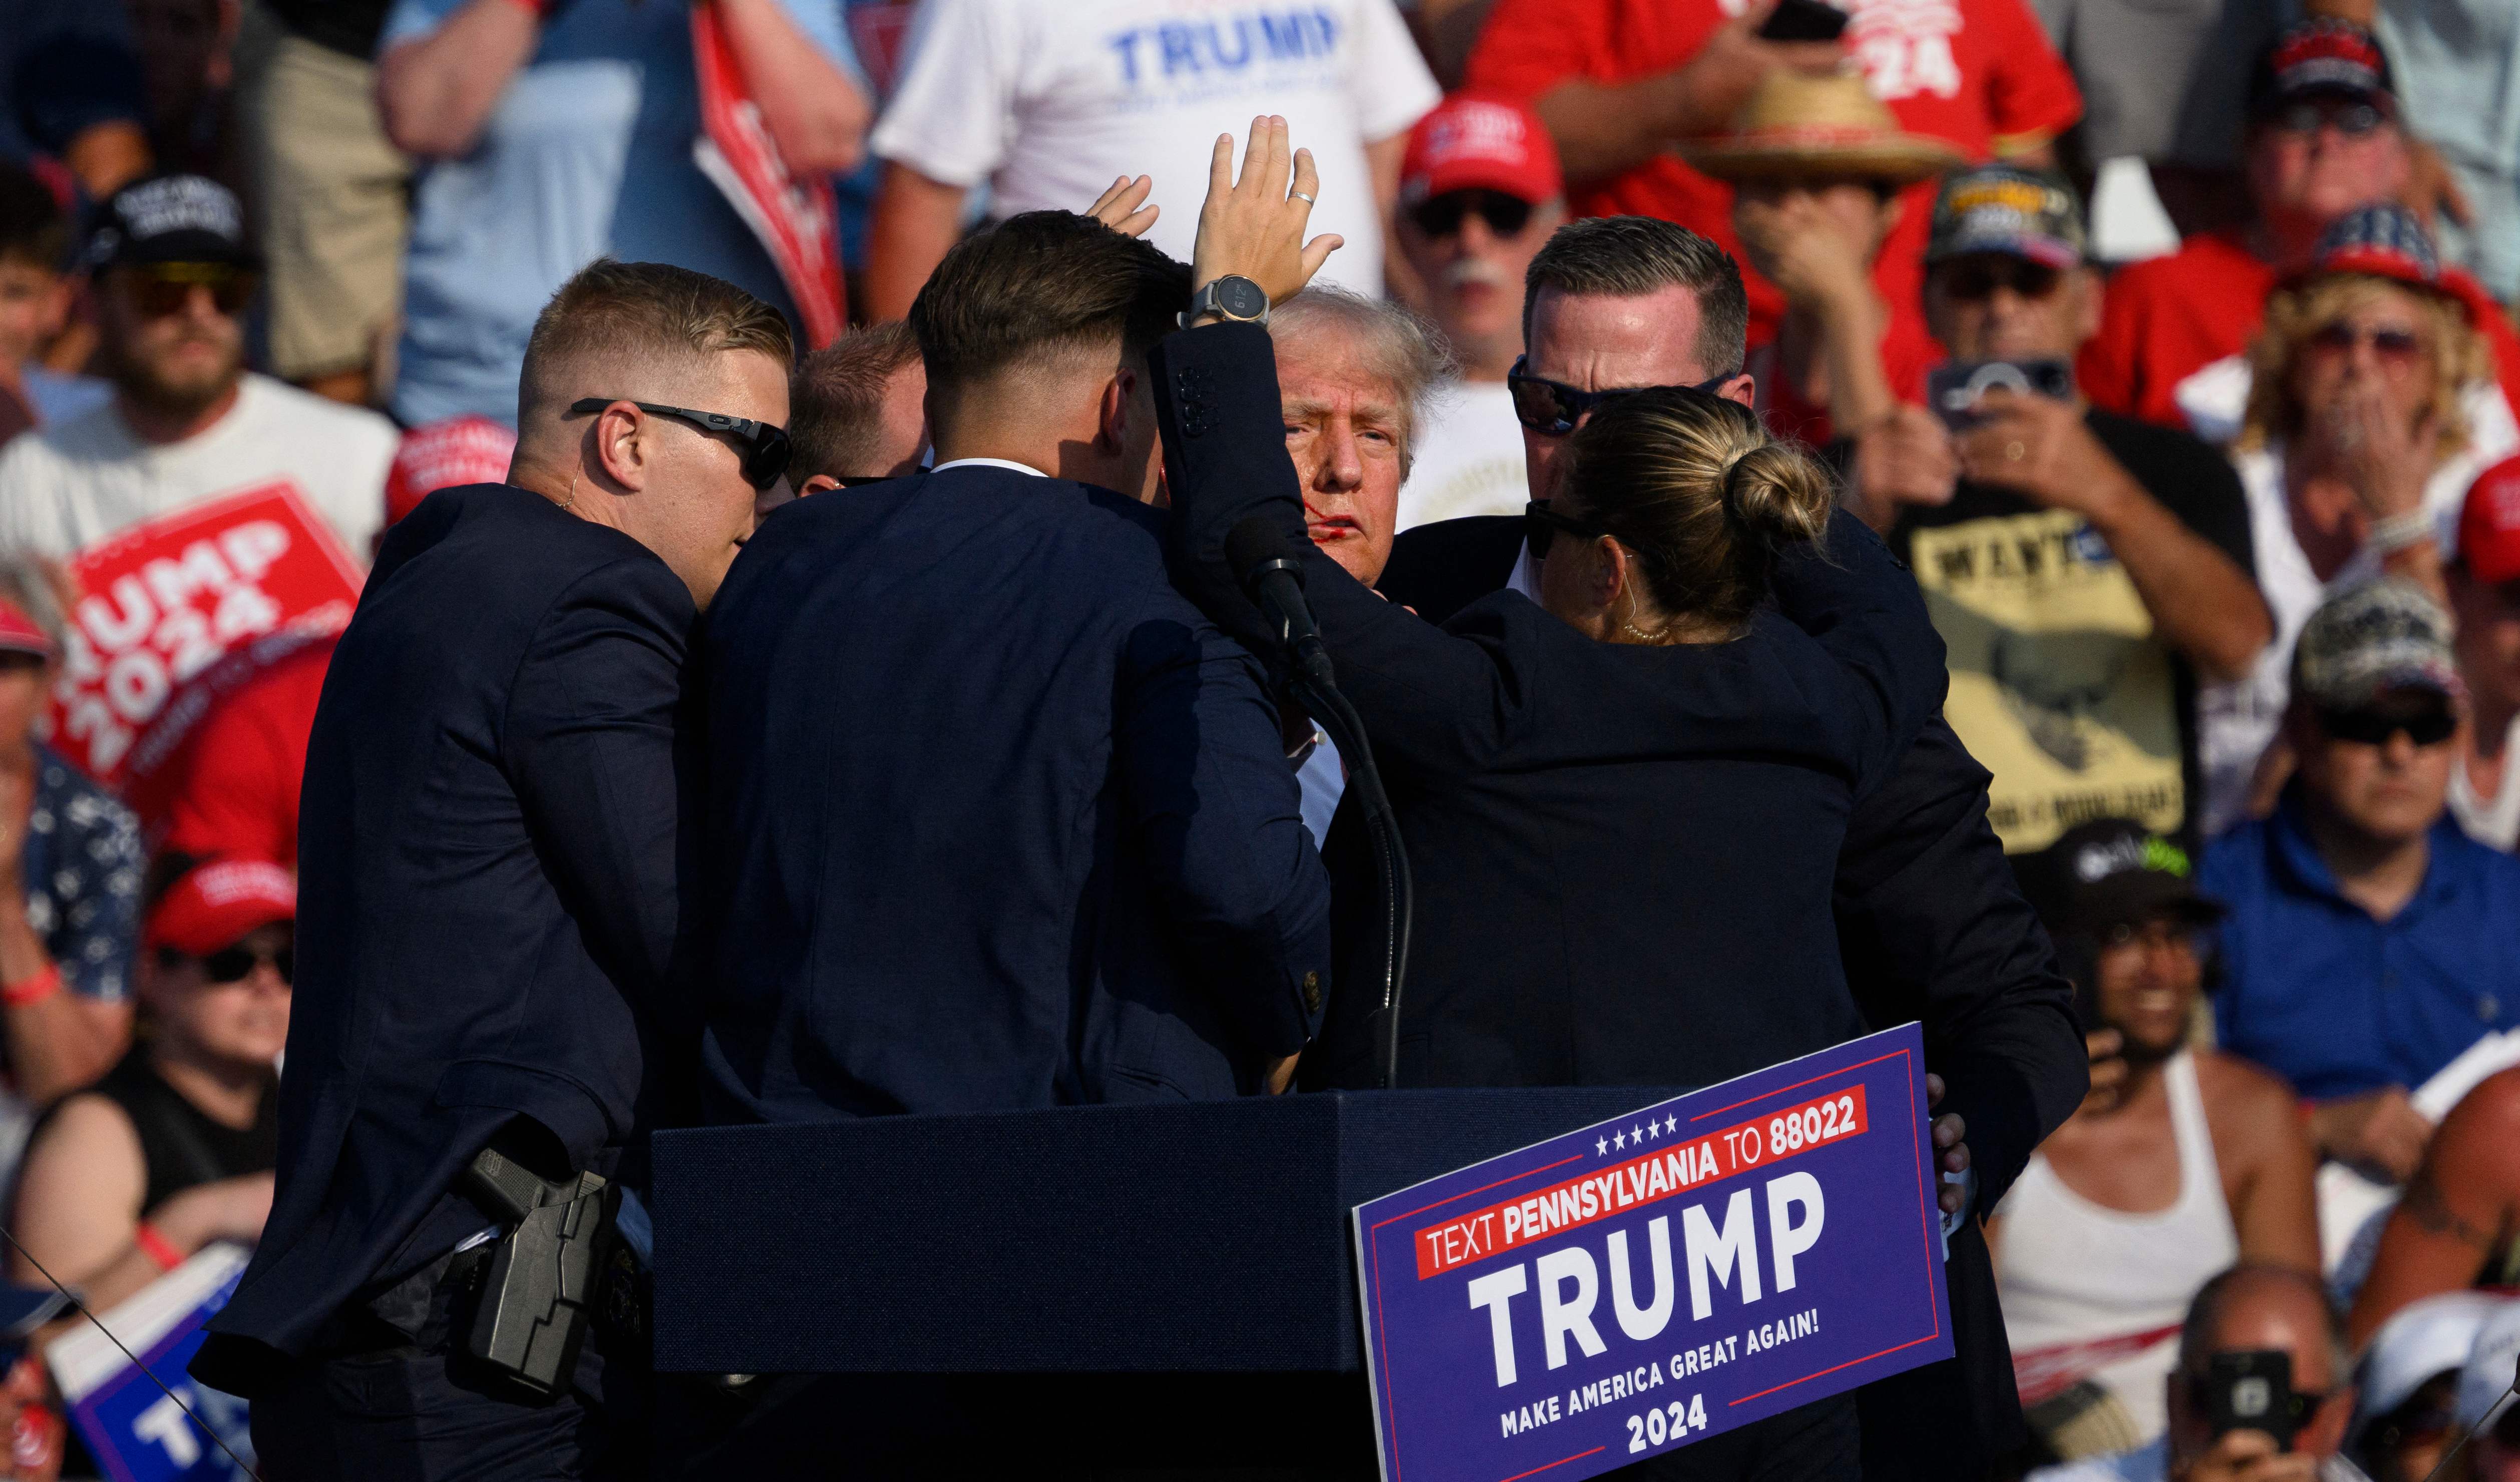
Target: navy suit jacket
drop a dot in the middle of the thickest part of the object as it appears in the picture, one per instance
(486, 905)
(1623, 854)
(995, 819)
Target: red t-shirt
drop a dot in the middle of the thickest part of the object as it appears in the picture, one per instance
(237, 791)
(1908, 352)
(2166, 318)
(1980, 74)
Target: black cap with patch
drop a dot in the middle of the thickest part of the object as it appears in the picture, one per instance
(172, 218)
(2114, 872)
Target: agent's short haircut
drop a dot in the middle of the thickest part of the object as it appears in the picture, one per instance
(1039, 289)
(35, 232)
(1393, 344)
(616, 313)
(1630, 257)
(836, 402)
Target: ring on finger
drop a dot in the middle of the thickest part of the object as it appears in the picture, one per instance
(1300, 196)
(2014, 453)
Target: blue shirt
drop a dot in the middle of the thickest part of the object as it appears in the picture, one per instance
(2337, 1003)
(587, 154)
(82, 865)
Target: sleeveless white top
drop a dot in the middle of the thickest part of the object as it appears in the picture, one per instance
(2078, 1276)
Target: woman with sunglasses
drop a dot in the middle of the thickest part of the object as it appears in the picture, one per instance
(2371, 407)
(175, 1148)
(1622, 793)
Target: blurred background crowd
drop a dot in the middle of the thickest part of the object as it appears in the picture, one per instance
(2170, 341)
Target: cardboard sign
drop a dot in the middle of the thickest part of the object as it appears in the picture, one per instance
(176, 611)
(792, 216)
(135, 1431)
(1648, 1281)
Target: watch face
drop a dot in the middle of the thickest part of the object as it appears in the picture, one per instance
(1241, 298)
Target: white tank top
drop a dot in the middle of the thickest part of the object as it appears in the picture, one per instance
(2081, 1282)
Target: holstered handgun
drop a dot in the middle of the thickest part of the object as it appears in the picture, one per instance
(539, 1292)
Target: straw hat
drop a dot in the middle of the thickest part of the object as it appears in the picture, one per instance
(1796, 123)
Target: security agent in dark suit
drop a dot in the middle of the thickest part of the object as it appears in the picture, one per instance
(1930, 922)
(1623, 801)
(487, 919)
(996, 819)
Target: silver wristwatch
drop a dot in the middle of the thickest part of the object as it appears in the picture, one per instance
(1231, 297)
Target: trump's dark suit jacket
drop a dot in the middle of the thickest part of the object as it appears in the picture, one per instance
(996, 819)
(486, 893)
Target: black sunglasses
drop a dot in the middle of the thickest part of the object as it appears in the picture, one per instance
(1540, 523)
(2374, 727)
(764, 447)
(1442, 215)
(234, 964)
(1554, 408)
(2354, 120)
(1973, 279)
(159, 288)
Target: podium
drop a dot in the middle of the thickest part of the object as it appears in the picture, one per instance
(1104, 1287)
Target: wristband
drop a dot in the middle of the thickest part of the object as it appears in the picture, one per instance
(156, 1247)
(34, 990)
(2397, 532)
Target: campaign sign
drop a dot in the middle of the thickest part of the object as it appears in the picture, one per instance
(163, 603)
(136, 1431)
(1654, 1280)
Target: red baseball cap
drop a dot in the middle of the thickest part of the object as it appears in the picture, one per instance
(2489, 524)
(1477, 143)
(19, 633)
(436, 455)
(214, 905)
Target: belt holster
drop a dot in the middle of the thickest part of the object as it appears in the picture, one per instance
(538, 1294)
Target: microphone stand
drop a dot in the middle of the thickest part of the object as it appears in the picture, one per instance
(1310, 681)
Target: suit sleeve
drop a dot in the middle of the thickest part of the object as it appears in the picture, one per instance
(594, 720)
(1933, 927)
(1863, 606)
(1220, 820)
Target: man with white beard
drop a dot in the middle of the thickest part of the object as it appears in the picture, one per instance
(1479, 193)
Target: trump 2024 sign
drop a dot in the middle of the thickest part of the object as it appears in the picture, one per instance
(1643, 1283)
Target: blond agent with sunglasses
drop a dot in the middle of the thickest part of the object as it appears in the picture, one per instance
(173, 1148)
(171, 276)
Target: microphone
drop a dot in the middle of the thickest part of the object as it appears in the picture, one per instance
(1270, 567)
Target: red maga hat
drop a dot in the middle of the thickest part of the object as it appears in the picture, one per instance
(1475, 143)
(214, 905)
(2489, 524)
(19, 633)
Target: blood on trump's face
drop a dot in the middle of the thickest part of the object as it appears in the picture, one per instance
(1346, 431)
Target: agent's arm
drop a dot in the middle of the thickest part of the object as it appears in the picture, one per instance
(594, 720)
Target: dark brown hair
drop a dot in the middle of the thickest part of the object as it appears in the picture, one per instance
(836, 402)
(1038, 286)
(1630, 257)
(33, 230)
(1706, 500)
(614, 311)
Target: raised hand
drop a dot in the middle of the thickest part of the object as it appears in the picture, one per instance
(1253, 227)
(1123, 206)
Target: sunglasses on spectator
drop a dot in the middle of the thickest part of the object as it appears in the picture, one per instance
(1540, 523)
(764, 447)
(2375, 727)
(2355, 121)
(2398, 346)
(1973, 279)
(1554, 408)
(235, 964)
(1442, 215)
(160, 289)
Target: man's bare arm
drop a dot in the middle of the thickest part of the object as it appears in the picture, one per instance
(916, 222)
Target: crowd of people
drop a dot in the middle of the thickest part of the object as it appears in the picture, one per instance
(2217, 539)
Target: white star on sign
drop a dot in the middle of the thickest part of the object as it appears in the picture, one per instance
(1632, 1132)
(1671, 1124)
(1618, 1139)
(1601, 1145)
